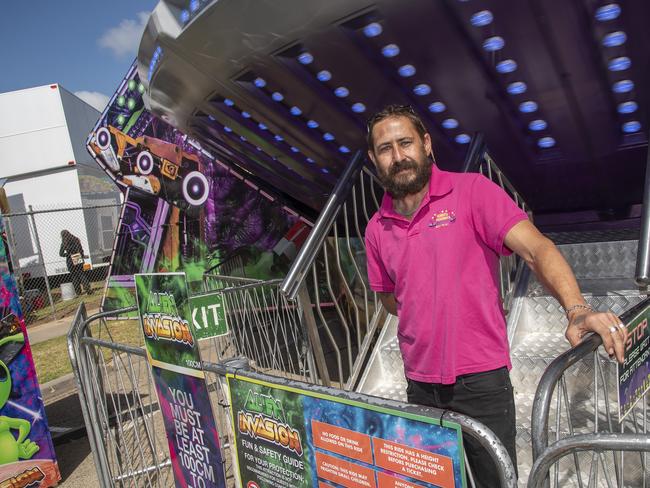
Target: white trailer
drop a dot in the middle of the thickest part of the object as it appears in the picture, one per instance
(45, 166)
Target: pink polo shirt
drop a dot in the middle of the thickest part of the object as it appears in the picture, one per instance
(443, 267)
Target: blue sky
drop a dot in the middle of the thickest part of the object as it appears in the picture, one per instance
(84, 46)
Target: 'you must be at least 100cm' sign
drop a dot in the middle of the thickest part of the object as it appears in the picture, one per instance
(208, 315)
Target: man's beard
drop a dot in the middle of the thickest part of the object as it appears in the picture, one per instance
(397, 186)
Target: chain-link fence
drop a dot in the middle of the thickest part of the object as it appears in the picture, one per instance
(60, 256)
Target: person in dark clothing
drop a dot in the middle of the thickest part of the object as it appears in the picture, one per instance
(74, 260)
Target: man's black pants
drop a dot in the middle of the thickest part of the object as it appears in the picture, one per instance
(486, 397)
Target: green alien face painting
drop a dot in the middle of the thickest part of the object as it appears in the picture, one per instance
(11, 448)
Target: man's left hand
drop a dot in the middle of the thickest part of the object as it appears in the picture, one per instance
(606, 324)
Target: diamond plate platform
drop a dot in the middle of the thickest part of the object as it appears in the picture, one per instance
(384, 376)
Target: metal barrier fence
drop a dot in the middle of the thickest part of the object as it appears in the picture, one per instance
(125, 425)
(264, 327)
(119, 405)
(60, 253)
(117, 395)
(588, 442)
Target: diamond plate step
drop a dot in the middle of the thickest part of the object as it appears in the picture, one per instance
(614, 259)
(384, 376)
(546, 345)
(545, 314)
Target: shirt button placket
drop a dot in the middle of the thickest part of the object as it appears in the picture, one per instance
(413, 228)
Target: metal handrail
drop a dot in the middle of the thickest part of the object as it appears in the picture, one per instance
(546, 388)
(479, 160)
(477, 154)
(584, 442)
(550, 378)
(544, 395)
(301, 265)
(642, 273)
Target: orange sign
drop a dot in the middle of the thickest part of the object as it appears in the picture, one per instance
(388, 481)
(414, 463)
(343, 472)
(342, 441)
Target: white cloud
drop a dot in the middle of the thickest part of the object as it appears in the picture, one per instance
(124, 39)
(94, 99)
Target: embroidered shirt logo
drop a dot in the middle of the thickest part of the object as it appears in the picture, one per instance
(442, 218)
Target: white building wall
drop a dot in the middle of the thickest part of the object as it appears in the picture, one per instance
(43, 133)
(33, 131)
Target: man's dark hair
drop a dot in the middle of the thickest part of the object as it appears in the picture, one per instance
(395, 111)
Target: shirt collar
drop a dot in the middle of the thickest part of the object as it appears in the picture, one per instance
(440, 184)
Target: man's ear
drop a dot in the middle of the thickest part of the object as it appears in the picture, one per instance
(371, 155)
(427, 145)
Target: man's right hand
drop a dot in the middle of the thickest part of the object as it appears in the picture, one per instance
(606, 324)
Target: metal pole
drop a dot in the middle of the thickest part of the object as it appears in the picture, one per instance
(11, 251)
(474, 154)
(642, 274)
(42, 261)
(301, 265)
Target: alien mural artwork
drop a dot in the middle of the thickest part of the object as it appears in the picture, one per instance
(184, 210)
(26, 452)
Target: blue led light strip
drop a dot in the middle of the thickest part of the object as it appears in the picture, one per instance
(340, 91)
(618, 64)
(391, 51)
(306, 59)
(277, 138)
(515, 88)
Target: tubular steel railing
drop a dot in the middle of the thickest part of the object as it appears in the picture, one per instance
(125, 425)
(328, 279)
(300, 267)
(583, 421)
(642, 274)
(116, 392)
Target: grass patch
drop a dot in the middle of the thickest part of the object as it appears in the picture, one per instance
(51, 358)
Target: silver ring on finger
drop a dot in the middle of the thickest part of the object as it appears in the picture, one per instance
(621, 325)
(613, 329)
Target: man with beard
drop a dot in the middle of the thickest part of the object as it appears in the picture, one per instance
(433, 254)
